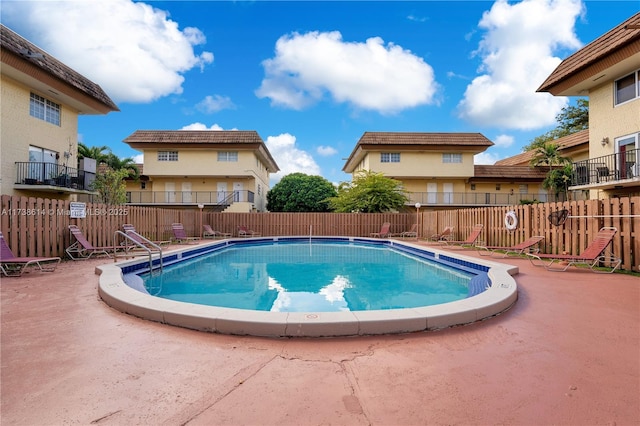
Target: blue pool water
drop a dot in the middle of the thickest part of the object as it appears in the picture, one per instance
(305, 277)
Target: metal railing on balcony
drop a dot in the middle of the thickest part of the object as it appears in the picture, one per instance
(189, 197)
(606, 169)
(52, 174)
(478, 198)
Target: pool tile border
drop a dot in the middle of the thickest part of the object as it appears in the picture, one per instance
(500, 296)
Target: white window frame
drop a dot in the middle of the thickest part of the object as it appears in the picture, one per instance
(167, 155)
(631, 160)
(636, 86)
(389, 157)
(44, 109)
(451, 157)
(228, 156)
(44, 163)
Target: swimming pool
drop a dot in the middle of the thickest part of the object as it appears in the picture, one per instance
(318, 276)
(131, 298)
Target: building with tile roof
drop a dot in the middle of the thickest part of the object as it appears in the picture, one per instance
(219, 170)
(437, 169)
(607, 70)
(41, 101)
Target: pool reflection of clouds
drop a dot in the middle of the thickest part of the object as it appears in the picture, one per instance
(288, 278)
(200, 315)
(329, 298)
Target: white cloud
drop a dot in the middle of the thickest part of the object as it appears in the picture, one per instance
(290, 158)
(133, 50)
(212, 104)
(415, 18)
(517, 56)
(369, 76)
(139, 159)
(485, 158)
(503, 141)
(201, 126)
(326, 151)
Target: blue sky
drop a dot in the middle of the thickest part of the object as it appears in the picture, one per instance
(312, 77)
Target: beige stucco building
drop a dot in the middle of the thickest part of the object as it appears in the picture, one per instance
(218, 170)
(606, 70)
(40, 102)
(437, 170)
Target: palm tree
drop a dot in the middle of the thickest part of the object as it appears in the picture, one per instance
(549, 155)
(98, 153)
(117, 163)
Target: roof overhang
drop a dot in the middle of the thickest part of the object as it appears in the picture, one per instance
(612, 67)
(32, 76)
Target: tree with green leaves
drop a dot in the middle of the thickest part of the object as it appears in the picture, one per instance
(558, 179)
(103, 154)
(110, 186)
(548, 155)
(369, 192)
(559, 172)
(128, 164)
(571, 119)
(298, 192)
(98, 153)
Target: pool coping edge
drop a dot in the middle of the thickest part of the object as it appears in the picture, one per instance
(496, 299)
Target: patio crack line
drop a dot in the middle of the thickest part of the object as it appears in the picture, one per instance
(368, 352)
(98, 420)
(235, 382)
(353, 403)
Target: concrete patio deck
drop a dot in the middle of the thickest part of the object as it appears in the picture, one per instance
(567, 353)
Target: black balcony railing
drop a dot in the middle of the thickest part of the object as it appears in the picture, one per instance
(52, 174)
(609, 168)
(190, 197)
(478, 198)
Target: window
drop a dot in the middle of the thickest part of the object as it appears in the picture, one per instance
(450, 157)
(44, 163)
(228, 156)
(44, 109)
(628, 155)
(390, 157)
(627, 88)
(143, 185)
(167, 155)
(523, 189)
(473, 186)
(497, 187)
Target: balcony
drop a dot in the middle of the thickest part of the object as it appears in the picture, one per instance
(607, 172)
(181, 198)
(476, 199)
(51, 177)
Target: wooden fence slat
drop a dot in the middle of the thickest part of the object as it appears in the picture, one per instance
(39, 227)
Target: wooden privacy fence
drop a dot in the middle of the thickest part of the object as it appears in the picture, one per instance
(584, 219)
(39, 227)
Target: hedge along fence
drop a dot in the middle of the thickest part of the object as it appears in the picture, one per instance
(39, 227)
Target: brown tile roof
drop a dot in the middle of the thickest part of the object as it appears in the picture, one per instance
(619, 43)
(237, 139)
(419, 138)
(412, 141)
(565, 143)
(23, 50)
(512, 173)
(194, 137)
